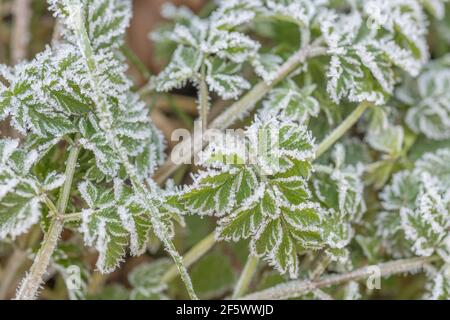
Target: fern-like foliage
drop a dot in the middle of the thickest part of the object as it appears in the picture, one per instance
(79, 87)
(367, 47)
(417, 203)
(429, 97)
(270, 201)
(21, 192)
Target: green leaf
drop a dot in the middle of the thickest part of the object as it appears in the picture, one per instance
(223, 78)
(281, 240)
(430, 115)
(184, 66)
(217, 193)
(113, 221)
(146, 280)
(20, 191)
(205, 275)
(427, 225)
(289, 101)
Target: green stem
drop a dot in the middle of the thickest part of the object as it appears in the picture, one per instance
(245, 277)
(296, 288)
(203, 100)
(191, 256)
(33, 280)
(342, 128)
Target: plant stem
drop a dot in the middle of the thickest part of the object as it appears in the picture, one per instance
(33, 280)
(293, 289)
(191, 256)
(242, 107)
(246, 277)
(342, 128)
(203, 99)
(106, 124)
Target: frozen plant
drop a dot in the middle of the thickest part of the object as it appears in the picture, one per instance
(341, 164)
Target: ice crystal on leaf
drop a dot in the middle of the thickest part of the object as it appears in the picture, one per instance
(363, 62)
(290, 102)
(439, 286)
(21, 193)
(417, 203)
(267, 197)
(262, 196)
(146, 281)
(116, 219)
(215, 44)
(430, 113)
(339, 188)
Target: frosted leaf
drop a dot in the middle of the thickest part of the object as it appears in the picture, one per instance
(431, 114)
(234, 46)
(400, 193)
(280, 240)
(184, 66)
(232, 13)
(114, 221)
(296, 11)
(355, 75)
(212, 41)
(417, 209)
(436, 164)
(68, 259)
(266, 66)
(290, 102)
(439, 286)
(217, 193)
(337, 235)
(20, 191)
(223, 78)
(363, 64)
(53, 180)
(390, 140)
(192, 34)
(262, 197)
(37, 100)
(341, 188)
(427, 225)
(406, 26)
(105, 20)
(146, 280)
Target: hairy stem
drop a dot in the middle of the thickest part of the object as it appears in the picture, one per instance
(106, 124)
(203, 99)
(33, 280)
(293, 289)
(191, 256)
(242, 107)
(342, 128)
(246, 277)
